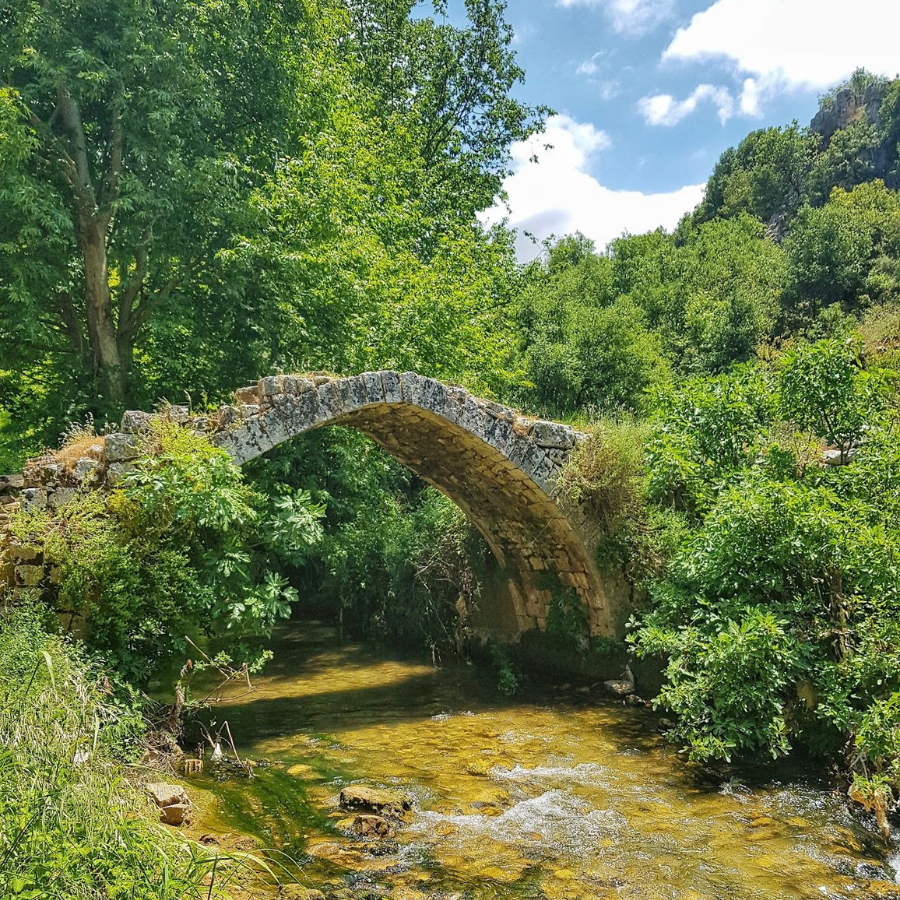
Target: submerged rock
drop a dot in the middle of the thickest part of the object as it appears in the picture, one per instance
(762, 822)
(872, 871)
(298, 892)
(373, 800)
(372, 826)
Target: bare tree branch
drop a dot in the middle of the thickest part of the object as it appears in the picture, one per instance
(71, 118)
(131, 290)
(116, 154)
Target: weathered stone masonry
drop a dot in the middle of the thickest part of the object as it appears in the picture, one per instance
(499, 467)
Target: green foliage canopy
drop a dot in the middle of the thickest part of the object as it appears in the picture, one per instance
(194, 196)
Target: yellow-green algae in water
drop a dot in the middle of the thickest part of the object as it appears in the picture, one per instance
(554, 794)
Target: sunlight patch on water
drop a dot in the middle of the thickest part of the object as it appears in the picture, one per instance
(517, 799)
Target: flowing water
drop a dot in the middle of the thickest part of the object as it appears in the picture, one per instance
(556, 793)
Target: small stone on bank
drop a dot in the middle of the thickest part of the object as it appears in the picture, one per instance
(172, 801)
(619, 688)
(174, 814)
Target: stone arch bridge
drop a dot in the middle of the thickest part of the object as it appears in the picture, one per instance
(498, 466)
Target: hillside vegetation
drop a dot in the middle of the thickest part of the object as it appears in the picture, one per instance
(755, 352)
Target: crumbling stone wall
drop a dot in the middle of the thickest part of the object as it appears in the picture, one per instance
(499, 467)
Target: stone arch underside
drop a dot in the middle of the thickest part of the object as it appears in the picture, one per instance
(498, 467)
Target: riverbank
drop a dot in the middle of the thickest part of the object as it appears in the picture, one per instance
(74, 820)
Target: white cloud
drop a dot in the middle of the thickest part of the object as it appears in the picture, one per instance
(750, 98)
(523, 34)
(664, 109)
(593, 66)
(635, 16)
(556, 195)
(790, 44)
(608, 88)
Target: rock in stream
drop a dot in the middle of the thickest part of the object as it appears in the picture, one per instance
(385, 803)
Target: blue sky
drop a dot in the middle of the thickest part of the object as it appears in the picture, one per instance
(650, 92)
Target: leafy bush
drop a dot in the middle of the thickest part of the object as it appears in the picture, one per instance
(509, 677)
(783, 594)
(707, 429)
(779, 613)
(607, 475)
(602, 471)
(408, 572)
(184, 545)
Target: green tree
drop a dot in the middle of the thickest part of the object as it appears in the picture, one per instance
(203, 192)
(135, 129)
(849, 159)
(712, 295)
(707, 430)
(778, 611)
(843, 252)
(583, 349)
(452, 85)
(765, 175)
(600, 360)
(826, 389)
(731, 286)
(828, 252)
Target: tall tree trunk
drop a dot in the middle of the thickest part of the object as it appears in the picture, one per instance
(91, 219)
(107, 361)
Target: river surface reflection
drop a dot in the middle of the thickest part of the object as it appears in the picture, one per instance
(555, 793)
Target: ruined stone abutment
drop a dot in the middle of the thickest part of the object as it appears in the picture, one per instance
(499, 467)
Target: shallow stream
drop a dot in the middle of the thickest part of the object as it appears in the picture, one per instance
(556, 793)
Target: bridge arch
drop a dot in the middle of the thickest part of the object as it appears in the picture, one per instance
(499, 467)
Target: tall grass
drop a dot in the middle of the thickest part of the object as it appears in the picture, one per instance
(605, 471)
(72, 824)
